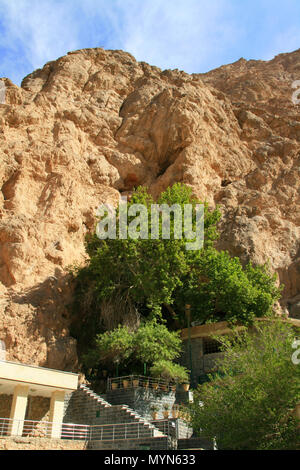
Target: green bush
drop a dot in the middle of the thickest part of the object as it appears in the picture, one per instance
(153, 341)
(149, 343)
(169, 371)
(111, 347)
(248, 404)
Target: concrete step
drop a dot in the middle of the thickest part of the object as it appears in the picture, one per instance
(125, 413)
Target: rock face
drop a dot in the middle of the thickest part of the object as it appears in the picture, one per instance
(92, 125)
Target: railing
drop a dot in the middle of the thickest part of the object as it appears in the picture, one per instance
(105, 432)
(169, 427)
(135, 381)
(123, 431)
(24, 428)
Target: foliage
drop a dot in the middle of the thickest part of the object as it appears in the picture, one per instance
(154, 408)
(219, 288)
(125, 280)
(111, 347)
(249, 404)
(169, 371)
(150, 342)
(149, 270)
(153, 341)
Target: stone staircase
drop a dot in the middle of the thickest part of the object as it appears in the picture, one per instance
(110, 425)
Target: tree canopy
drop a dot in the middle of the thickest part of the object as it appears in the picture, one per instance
(154, 278)
(152, 343)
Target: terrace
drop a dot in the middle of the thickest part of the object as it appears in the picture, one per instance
(31, 391)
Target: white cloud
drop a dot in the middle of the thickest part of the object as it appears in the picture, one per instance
(181, 34)
(35, 32)
(172, 33)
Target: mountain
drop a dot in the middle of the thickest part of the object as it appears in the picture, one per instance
(92, 125)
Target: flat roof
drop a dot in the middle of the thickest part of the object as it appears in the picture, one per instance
(37, 367)
(209, 329)
(39, 378)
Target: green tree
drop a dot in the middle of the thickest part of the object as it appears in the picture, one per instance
(148, 278)
(220, 288)
(149, 270)
(151, 342)
(111, 347)
(249, 403)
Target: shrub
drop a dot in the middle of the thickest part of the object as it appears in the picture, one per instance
(169, 371)
(248, 405)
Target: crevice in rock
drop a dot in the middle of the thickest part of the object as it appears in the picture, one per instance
(8, 188)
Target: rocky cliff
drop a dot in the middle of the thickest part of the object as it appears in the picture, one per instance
(92, 125)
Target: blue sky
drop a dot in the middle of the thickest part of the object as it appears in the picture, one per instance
(191, 35)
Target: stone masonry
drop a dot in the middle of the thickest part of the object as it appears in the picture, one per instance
(202, 364)
(107, 421)
(85, 407)
(5, 405)
(36, 443)
(141, 400)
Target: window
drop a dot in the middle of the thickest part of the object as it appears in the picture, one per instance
(211, 346)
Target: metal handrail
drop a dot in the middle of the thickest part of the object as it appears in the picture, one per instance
(103, 432)
(134, 381)
(34, 428)
(169, 426)
(120, 431)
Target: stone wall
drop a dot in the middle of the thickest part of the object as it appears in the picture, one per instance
(154, 443)
(5, 405)
(35, 443)
(38, 408)
(83, 408)
(177, 428)
(202, 364)
(141, 400)
(184, 431)
(80, 408)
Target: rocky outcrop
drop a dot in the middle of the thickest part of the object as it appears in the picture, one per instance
(93, 125)
(262, 210)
